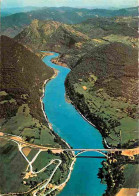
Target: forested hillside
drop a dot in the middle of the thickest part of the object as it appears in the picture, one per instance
(23, 124)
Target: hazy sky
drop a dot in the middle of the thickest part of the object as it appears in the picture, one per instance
(71, 3)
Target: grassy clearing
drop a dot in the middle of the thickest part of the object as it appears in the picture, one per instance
(29, 128)
(43, 159)
(123, 39)
(32, 154)
(131, 177)
(31, 182)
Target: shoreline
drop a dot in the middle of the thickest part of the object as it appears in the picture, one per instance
(56, 62)
(43, 94)
(44, 54)
(105, 144)
(51, 128)
(104, 140)
(68, 100)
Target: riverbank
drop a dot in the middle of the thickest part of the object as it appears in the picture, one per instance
(69, 101)
(43, 54)
(43, 92)
(57, 62)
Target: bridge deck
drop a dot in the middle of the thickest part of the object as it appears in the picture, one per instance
(95, 150)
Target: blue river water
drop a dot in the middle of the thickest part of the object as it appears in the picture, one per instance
(70, 125)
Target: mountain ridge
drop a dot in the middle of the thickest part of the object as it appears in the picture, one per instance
(56, 36)
(50, 35)
(12, 25)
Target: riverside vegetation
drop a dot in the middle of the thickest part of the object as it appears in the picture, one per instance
(102, 84)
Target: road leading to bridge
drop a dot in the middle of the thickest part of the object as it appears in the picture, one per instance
(81, 150)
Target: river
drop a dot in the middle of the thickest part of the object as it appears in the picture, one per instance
(70, 125)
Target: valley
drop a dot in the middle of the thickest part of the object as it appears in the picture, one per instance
(101, 49)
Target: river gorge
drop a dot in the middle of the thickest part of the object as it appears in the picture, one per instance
(77, 132)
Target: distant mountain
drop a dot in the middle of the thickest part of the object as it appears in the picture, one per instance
(56, 36)
(99, 27)
(12, 25)
(5, 13)
(50, 35)
(10, 11)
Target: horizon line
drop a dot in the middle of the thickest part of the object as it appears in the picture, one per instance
(95, 7)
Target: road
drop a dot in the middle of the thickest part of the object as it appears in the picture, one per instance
(21, 141)
(22, 144)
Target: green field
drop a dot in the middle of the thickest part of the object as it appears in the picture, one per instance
(12, 165)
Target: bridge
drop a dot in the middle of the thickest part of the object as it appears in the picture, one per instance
(83, 150)
(19, 140)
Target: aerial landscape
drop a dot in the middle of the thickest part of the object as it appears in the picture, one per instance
(69, 98)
